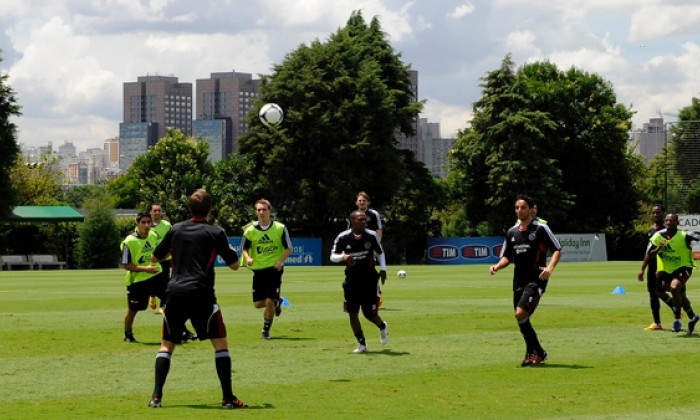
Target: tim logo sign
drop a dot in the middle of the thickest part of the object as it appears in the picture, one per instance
(481, 250)
(443, 252)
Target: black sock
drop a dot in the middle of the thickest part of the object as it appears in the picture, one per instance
(530, 336)
(222, 359)
(676, 312)
(267, 323)
(162, 369)
(360, 337)
(655, 307)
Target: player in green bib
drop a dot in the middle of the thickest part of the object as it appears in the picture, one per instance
(265, 246)
(161, 227)
(675, 264)
(141, 274)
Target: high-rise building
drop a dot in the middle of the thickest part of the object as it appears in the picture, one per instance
(650, 140)
(134, 139)
(226, 98)
(160, 100)
(435, 149)
(67, 149)
(152, 104)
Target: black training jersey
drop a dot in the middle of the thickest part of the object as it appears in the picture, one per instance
(362, 247)
(651, 273)
(527, 248)
(194, 245)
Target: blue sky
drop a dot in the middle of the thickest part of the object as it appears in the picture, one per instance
(68, 59)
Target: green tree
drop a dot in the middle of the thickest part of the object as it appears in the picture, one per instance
(77, 195)
(37, 183)
(684, 147)
(9, 149)
(343, 100)
(557, 136)
(98, 237)
(125, 190)
(234, 190)
(408, 217)
(170, 172)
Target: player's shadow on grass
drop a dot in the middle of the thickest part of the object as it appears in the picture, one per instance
(559, 366)
(288, 338)
(148, 343)
(387, 352)
(390, 309)
(265, 406)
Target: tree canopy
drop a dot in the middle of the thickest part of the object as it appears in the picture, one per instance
(344, 100)
(170, 172)
(558, 136)
(9, 149)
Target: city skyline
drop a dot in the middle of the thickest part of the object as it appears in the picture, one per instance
(647, 49)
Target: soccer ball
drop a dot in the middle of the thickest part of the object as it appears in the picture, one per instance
(271, 115)
(401, 274)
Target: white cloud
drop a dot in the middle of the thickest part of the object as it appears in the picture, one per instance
(452, 118)
(462, 10)
(654, 21)
(522, 43)
(58, 72)
(329, 16)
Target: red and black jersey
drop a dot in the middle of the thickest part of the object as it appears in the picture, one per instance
(194, 245)
(527, 247)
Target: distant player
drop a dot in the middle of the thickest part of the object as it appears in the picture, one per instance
(160, 227)
(265, 246)
(658, 215)
(674, 253)
(356, 248)
(141, 277)
(526, 245)
(374, 222)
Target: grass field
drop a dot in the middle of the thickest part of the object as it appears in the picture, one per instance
(455, 350)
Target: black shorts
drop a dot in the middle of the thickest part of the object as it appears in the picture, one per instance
(664, 279)
(267, 283)
(206, 318)
(528, 297)
(137, 294)
(361, 294)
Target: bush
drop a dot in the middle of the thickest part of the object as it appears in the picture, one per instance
(98, 242)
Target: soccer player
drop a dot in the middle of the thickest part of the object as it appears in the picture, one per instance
(356, 247)
(194, 245)
(526, 246)
(534, 216)
(160, 227)
(265, 245)
(674, 253)
(658, 214)
(141, 272)
(374, 222)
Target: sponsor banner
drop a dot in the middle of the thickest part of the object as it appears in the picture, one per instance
(477, 250)
(582, 246)
(691, 222)
(305, 251)
(487, 249)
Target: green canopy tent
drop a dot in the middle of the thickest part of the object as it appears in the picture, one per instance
(45, 214)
